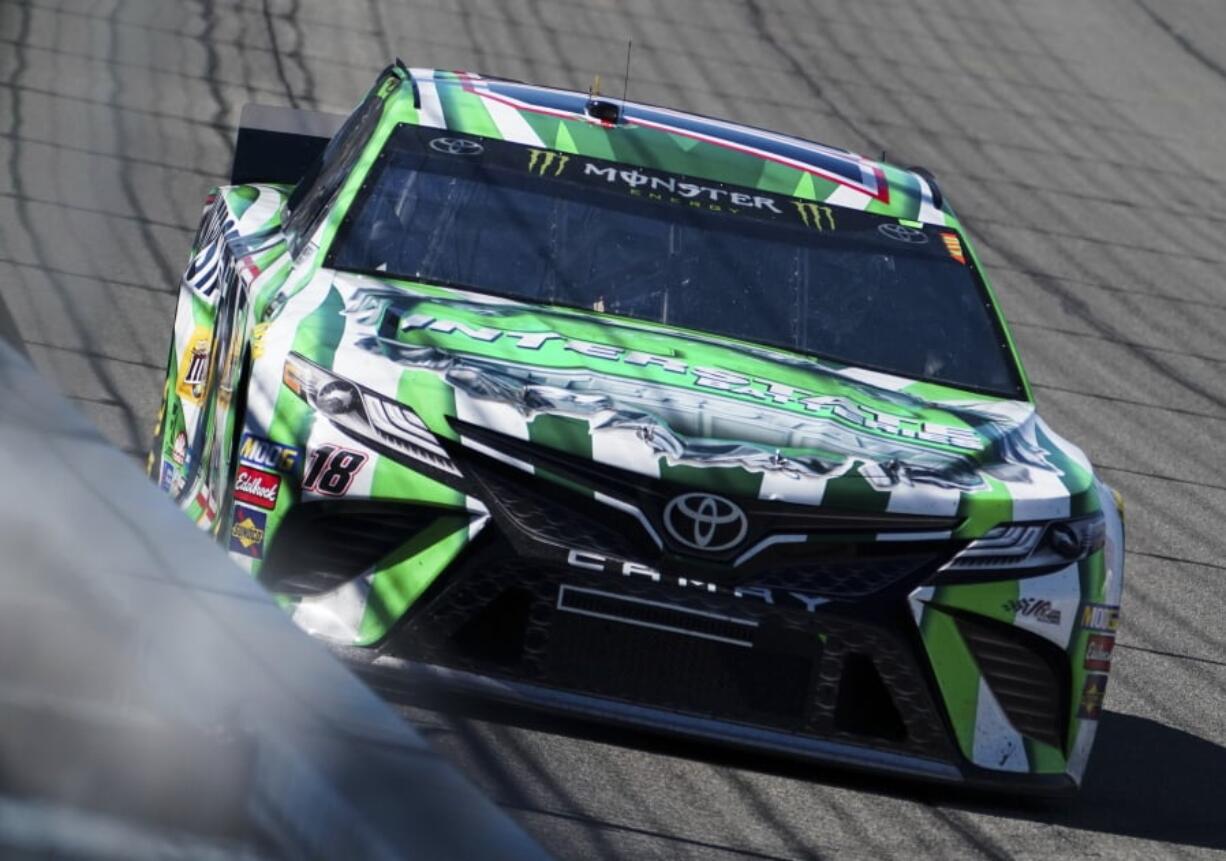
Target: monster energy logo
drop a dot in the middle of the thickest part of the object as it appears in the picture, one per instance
(540, 160)
(811, 214)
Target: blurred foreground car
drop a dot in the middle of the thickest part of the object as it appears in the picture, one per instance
(649, 417)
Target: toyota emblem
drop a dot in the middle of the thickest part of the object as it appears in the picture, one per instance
(902, 233)
(456, 146)
(703, 521)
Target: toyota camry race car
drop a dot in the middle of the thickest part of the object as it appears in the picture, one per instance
(644, 416)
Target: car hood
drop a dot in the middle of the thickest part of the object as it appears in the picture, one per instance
(707, 412)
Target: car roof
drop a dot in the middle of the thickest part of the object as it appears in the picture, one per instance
(674, 141)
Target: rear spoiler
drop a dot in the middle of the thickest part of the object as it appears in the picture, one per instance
(279, 144)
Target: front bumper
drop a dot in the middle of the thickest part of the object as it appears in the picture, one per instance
(842, 684)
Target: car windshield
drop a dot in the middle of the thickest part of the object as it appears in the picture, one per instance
(548, 227)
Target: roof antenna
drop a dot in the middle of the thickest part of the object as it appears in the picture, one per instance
(608, 111)
(626, 79)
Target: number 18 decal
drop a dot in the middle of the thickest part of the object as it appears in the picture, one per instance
(330, 470)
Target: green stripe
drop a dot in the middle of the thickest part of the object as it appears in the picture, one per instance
(984, 599)
(854, 492)
(407, 573)
(1077, 480)
(464, 110)
(316, 338)
(983, 509)
(956, 674)
(1043, 758)
(394, 480)
(239, 199)
(732, 481)
(570, 435)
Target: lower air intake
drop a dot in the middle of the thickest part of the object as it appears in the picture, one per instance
(1027, 675)
(321, 545)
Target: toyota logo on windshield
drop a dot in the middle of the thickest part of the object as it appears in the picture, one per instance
(456, 146)
(902, 233)
(703, 521)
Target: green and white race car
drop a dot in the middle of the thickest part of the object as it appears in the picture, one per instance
(643, 416)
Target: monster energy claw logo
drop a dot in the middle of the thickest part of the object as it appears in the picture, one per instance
(811, 214)
(540, 160)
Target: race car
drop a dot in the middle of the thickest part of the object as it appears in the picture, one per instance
(643, 416)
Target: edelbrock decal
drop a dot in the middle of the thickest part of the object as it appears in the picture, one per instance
(254, 486)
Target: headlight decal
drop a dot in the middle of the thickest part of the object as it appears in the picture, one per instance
(1015, 547)
(366, 414)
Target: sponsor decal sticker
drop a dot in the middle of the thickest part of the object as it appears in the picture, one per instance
(258, 451)
(676, 190)
(1100, 617)
(210, 266)
(205, 500)
(257, 340)
(179, 452)
(194, 366)
(546, 162)
(812, 215)
(256, 487)
(1091, 706)
(1034, 608)
(954, 247)
(1098, 652)
(168, 476)
(247, 533)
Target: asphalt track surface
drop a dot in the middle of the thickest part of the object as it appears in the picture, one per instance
(1081, 140)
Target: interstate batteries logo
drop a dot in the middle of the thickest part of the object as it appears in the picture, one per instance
(845, 411)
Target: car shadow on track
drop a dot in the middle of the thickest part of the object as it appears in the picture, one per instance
(1145, 780)
(1151, 781)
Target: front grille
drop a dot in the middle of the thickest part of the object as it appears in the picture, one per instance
(675, 671)
(1027, 675)
(321, 545)
(657, 615)
(851, 578)
(839, 554)
(823, 674)
(533, 508)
